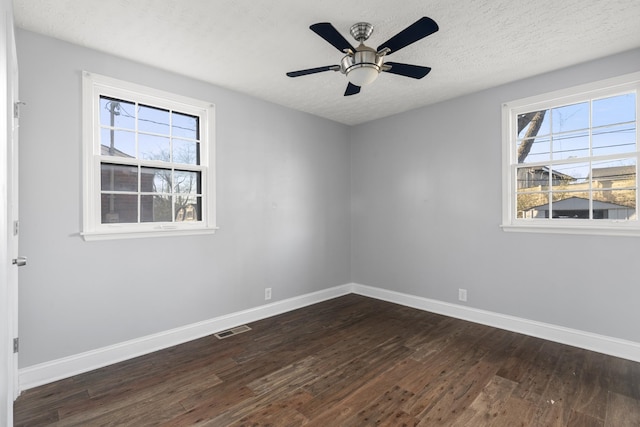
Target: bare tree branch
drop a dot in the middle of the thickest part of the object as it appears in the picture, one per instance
(535, 119)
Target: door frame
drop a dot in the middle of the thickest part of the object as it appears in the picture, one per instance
(8, 207)
(13, 105)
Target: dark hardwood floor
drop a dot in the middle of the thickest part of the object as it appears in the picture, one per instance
(351, 361)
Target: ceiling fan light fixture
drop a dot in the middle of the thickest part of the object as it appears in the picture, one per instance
(362, 74)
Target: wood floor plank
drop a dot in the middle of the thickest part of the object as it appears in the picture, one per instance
(487, 406)
(622, 411)
(386, 409)
(516, 412)
(350, 361)
(152, 398)
(578, 419)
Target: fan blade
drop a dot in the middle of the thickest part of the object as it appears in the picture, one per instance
(330, 34)
(414, 32)
(351, 90)
(407, 70)
(313, 70)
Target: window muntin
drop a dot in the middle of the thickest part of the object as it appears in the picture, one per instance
(572, 160)
(148, 159)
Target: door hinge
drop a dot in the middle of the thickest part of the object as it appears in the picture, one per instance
(16, 109)
(16, 345)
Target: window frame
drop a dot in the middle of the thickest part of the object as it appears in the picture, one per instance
(511, 110)
(95, 86)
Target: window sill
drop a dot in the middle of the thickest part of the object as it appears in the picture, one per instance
(624, 229)
(116, 234)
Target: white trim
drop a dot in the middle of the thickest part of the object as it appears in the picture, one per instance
(560, 97)
(66, 367)
(160, 231)
(535, 226)
(599, 343)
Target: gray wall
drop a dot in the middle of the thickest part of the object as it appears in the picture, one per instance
(426, 200)
(421, 216)
(283, 212)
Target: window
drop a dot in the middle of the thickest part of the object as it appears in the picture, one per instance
(570, 160)
(148, 162)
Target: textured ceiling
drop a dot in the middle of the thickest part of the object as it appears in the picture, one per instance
(249, 45)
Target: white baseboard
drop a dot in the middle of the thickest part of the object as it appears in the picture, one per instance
(66, 367)
(599, 343)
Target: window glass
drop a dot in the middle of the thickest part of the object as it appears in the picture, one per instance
(153, 120)
(117, 113)
(154, 147)
(150, 133)
(184, 126)
(119, 143)
(570, 118)
(614, 110)
(115, 177)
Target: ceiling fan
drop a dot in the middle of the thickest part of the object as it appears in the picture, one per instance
(363, 64)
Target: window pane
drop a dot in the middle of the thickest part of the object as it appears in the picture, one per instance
(571, 145)
(153, 120)
(155, 208)
(570, 205)
(570, 174)
(570, 118)
(613, 110)
(614, 139)
(117, 143)
(154, 147)
(117, 113)
(533, 123)
(531, 150)
(532, 205)
(186, 152)
(186, 182)
(614, 174)
(188, 208)
(184, 126)
(614, 204)
(118, 177)
(154, 180)
(533, 177)
(119, 208)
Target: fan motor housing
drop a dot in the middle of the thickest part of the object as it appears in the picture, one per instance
(364, 56)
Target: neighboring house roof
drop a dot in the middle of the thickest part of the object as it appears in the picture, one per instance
(577, 203)
(104, 150)
(614, 172)
(556, 174)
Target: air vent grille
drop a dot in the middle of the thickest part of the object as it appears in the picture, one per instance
(233, 331)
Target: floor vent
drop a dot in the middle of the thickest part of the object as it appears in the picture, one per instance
(233, 331)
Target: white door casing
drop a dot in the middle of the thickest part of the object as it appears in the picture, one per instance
(8, 214)
(12, 187)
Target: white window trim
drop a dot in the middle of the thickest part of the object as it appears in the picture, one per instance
(510, 110)
(93, 86)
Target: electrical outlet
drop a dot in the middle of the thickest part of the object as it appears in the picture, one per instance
(267, 294)
(462, 294)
